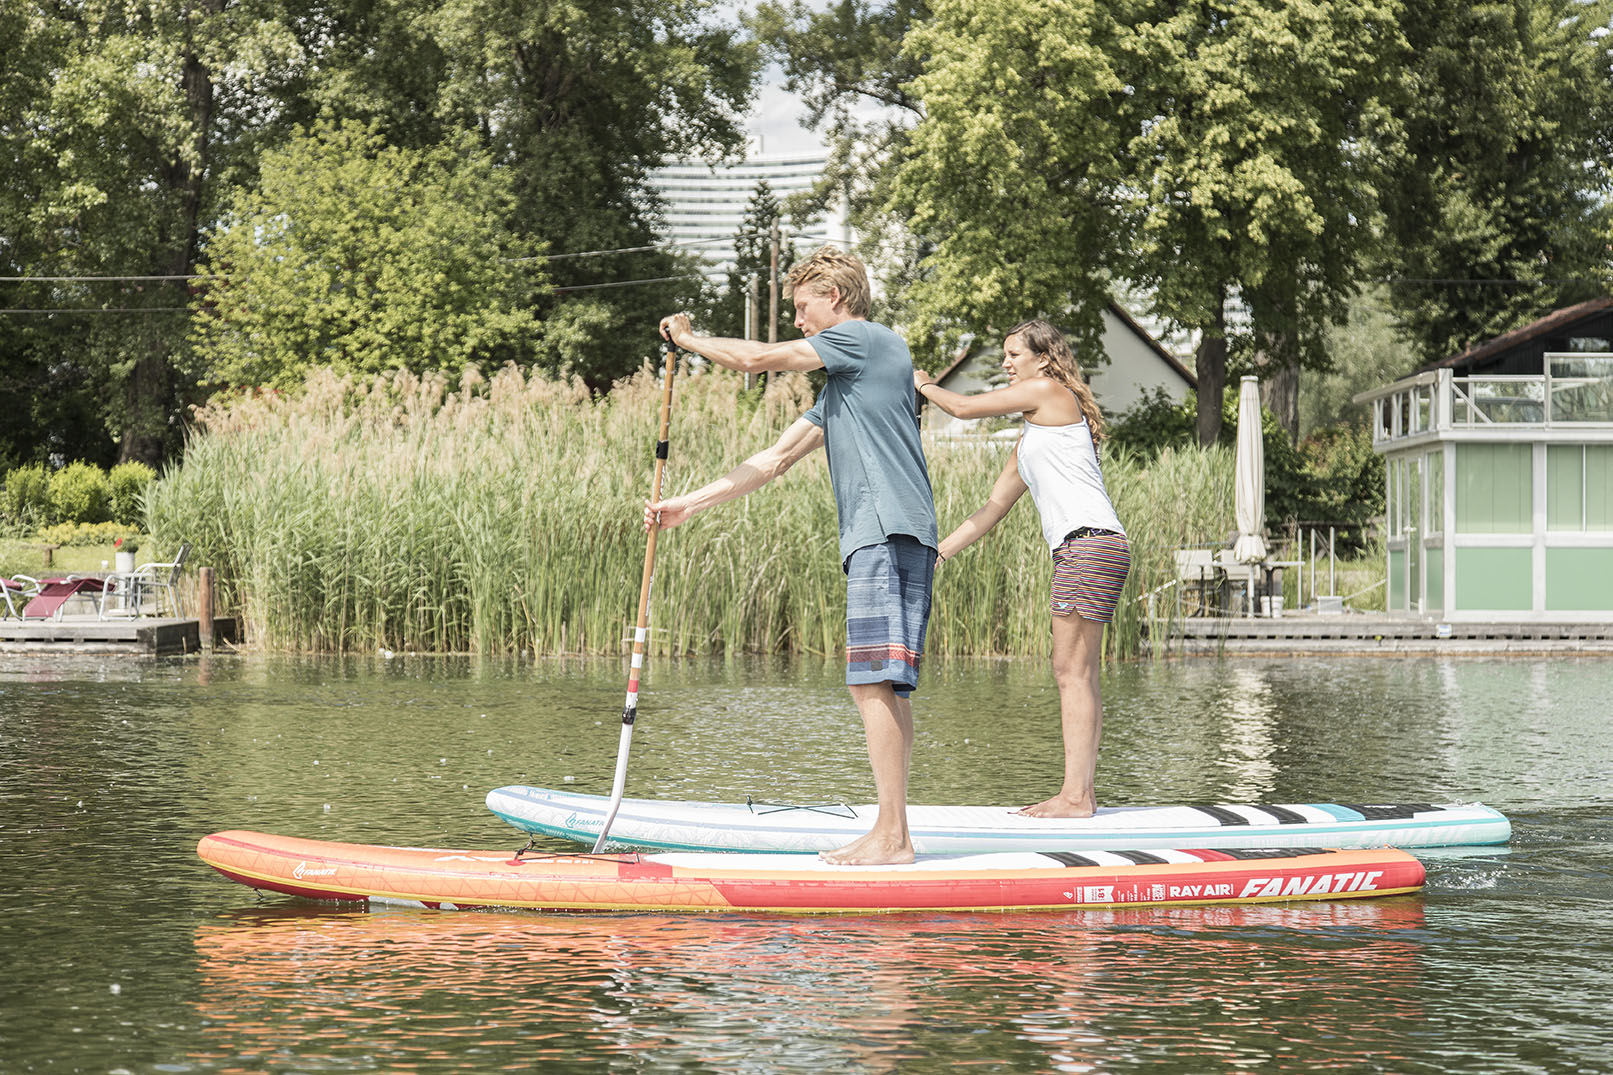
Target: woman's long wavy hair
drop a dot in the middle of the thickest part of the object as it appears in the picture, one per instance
(1045, 341)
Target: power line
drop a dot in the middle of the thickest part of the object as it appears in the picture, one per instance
(101, 310)
(82, 279)
(512, 261)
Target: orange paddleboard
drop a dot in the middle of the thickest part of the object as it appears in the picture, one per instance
(712, 881)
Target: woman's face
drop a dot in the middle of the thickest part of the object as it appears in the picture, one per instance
(1020, 361)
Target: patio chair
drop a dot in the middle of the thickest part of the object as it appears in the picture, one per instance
(128, 591)
(50, 600)
(1199, 580)
(17, 588)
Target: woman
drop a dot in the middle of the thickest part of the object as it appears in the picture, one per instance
(1056, 459)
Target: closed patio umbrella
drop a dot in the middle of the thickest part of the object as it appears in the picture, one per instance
(1249, 479)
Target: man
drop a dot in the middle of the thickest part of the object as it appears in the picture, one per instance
(864, 420)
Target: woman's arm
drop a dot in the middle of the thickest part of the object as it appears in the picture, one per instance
(1006, 491)
(1024, 397)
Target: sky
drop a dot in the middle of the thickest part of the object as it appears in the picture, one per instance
(776, 117)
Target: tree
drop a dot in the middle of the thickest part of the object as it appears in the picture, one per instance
(1499, 208)
(364, 257)
(854, 69)
(580, 103)
(1256, 173)
(753, 261)
(121, 122)
(1011, 179)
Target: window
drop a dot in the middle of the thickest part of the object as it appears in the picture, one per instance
(1435, 519)
(1494, 489)
(1579, 487)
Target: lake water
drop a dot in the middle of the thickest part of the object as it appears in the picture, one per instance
(123, 953)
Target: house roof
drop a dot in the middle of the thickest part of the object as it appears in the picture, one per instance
(1543, 326)
(1126, 319)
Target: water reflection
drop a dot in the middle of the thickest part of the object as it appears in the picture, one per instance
(1094, 991)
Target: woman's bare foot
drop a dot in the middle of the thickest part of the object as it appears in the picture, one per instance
(874, 849)
(1059, 806)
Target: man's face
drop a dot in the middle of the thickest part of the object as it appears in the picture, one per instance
(817, 310)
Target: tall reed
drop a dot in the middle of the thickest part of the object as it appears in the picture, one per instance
(502, 514)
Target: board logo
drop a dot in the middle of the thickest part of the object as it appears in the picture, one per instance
(305, 870)
(1263, 887)
(575, 822)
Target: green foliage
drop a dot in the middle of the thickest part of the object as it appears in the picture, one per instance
(79, 534)
(120, 125)
(1257, 163)
(753, 261)
(1499, 211)
(1332, 477)
(504, 515)
(80, 493)
(1154, 423)
(129, 482)
(27, 496)
(579, 102)
(1012, 177)
(1366, 351)
(363, 257)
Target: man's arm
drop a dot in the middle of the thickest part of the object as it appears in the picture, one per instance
(797, 441)
(746, 356)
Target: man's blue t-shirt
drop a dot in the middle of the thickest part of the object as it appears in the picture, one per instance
(871, 435)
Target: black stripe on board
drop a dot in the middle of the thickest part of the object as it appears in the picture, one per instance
(1068, 858)
(1223, 815)
(1269, 852)
(1141, 858)
(1390, 811)
(1283, 814)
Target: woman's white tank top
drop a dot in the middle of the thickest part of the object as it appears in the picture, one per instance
(1060, 465)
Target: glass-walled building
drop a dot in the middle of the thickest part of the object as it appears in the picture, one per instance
(1499, 467)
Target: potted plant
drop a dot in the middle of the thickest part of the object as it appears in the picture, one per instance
(123, 550)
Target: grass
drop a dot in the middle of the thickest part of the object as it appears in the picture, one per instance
(502, 515)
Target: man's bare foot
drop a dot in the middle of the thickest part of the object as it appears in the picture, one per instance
(874, 849)
(1059, 806)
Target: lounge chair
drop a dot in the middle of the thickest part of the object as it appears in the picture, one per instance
(17, 588)
(128, 591)
(53, 595)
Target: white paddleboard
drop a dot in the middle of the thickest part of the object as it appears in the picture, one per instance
(810, 827)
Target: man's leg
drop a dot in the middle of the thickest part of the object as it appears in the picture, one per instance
(888, 723)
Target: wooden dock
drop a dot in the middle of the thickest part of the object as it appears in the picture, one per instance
(144, 636)
(1310, 633)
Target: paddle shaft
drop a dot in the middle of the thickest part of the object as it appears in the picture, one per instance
(641, 633)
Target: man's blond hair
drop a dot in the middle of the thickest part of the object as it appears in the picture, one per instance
(827, 268)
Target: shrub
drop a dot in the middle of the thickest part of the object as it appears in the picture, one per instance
(79, 493)
(27, 496)
(65, 534)
(129, 482)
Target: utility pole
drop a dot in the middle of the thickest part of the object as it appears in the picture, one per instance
(753, 313)
(773, 283)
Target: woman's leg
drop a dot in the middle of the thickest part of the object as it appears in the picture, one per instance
(1077, 654)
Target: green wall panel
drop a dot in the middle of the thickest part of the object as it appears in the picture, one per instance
(1599, 487)
(1579, 580)
(1565, 478)
(1434, 569)
(1397, 580)
(1501, 579)
(1494, 489)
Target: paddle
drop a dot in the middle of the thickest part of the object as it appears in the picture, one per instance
(641, 633)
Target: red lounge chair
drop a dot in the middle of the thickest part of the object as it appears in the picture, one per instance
(54, 593)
